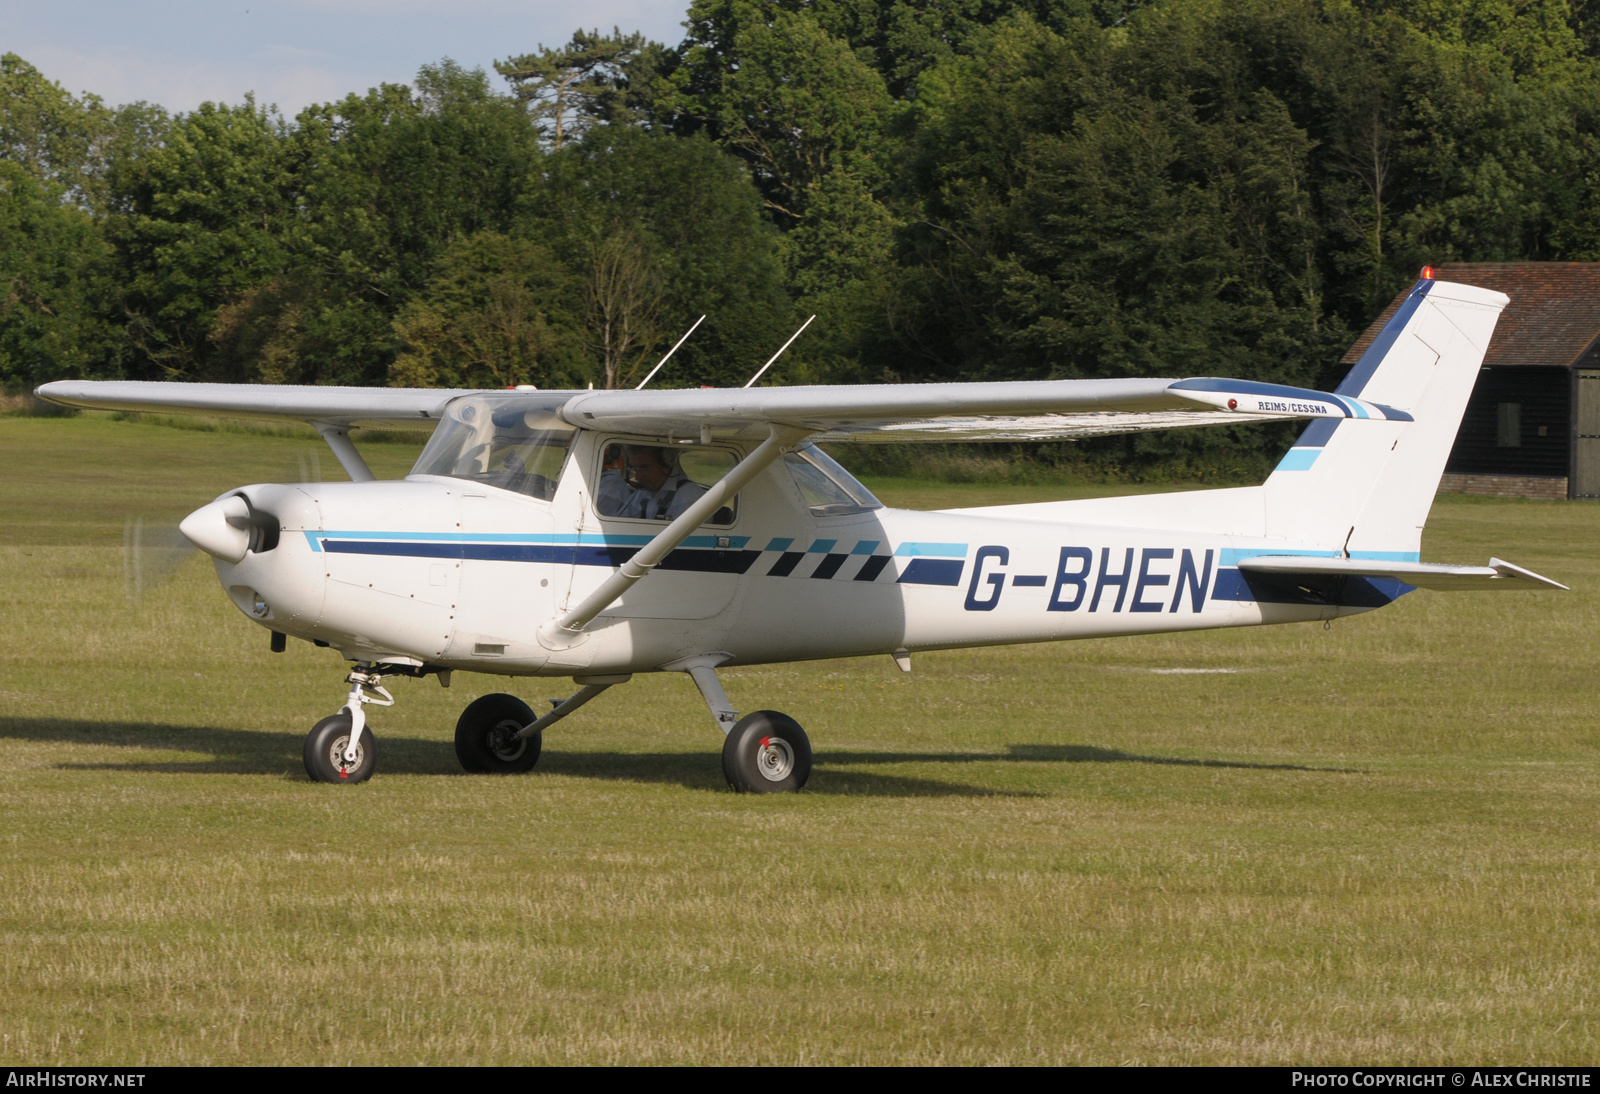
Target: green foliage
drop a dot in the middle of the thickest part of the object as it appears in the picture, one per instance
(1078, 218)
(54, 273)
(499, 312)
(973, 189)
(388, 182)
(1213, 189)
(792, 100)
(207, 218)
(686, 218)
(58, 155)
(54, 136)
(591, 80)
(263, 251)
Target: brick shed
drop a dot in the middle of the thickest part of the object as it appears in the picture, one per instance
(1532, 427)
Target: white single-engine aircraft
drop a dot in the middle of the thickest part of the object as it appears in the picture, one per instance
(597, 534)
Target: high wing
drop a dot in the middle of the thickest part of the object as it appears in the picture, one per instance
(1499, 574)
(1028, 410)
(998, 411)
(398, 406)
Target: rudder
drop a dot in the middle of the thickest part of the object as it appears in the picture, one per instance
(1366, 486)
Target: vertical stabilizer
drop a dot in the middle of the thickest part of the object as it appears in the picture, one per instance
(1366, 486)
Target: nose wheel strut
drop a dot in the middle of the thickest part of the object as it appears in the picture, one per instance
(340, 748)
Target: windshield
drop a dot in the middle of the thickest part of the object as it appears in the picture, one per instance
(512, 442)
(829, 489)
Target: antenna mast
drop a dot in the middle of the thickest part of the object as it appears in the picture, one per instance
(779, 354)
(670, 352)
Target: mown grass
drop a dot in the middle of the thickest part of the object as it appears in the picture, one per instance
(1375, 843)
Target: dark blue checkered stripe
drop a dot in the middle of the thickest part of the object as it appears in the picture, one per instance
(867, 560)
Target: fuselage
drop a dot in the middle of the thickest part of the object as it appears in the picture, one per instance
(452, 573)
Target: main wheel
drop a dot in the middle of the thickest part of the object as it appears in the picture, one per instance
(324, 752)
(765, 753)
(486, 736)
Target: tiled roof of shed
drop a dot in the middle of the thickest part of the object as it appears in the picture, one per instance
(1553, 317)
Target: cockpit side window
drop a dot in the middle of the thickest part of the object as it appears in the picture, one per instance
(506, 441)
(658, 482)
(829, 490)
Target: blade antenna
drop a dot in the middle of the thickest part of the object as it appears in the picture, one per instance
(670, 352)
(779, 354)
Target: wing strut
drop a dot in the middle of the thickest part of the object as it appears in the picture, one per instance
(344, 450)
(566, 630)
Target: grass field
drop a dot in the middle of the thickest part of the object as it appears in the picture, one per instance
(1374, 843)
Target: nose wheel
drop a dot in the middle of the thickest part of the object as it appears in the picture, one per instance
(327, 749)
(340, 748)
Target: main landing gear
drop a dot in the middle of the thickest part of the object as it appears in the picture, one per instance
(765, 752)
(489, 737)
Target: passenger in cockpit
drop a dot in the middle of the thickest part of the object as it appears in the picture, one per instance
(661, 490)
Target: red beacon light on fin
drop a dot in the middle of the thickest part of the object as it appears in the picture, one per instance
(1427, 273)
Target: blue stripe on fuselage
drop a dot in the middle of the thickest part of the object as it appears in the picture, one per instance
(1330, 589)
(726, 561)
(564, 539)
(1232, 556)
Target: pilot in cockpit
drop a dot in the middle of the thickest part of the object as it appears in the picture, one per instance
(612, 496)
(650, 484)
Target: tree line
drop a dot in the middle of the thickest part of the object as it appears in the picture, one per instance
(972, 189)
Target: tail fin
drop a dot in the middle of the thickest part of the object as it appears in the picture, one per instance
(1366, 486)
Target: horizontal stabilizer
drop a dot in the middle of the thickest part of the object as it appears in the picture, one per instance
(1499, 574)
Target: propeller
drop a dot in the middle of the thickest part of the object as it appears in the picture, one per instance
(153, 549)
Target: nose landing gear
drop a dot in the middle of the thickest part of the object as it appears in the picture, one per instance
(340, 748)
